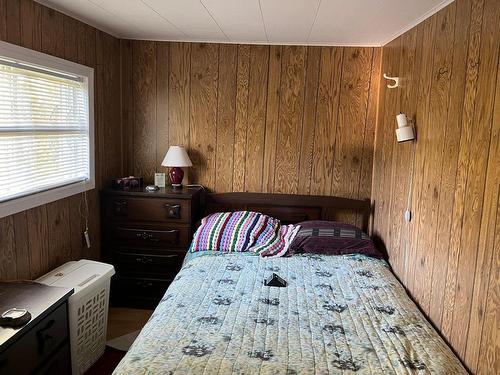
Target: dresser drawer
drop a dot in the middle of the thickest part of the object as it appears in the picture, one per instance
(59, 363)
(148, 209)
(164, 266)
(124, 288)
(141, 235)
(37, 345)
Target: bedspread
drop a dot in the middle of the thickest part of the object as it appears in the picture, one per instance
(338, 314)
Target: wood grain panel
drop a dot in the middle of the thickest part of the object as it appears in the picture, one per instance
(478, 163)
(38, 240)
(272, 117)
(257, 101)
(41, 238)
(353, 103)
(483, 330)
(3, 19)
(309, 122)
(226, 108)
(8, 254)
(241, 118)
(144, 94)
(415, 280)
(433, 138)
(178, 93)
(127, 103)
(488, 358)
(409, 63)
(291, 116)
(326, 120)
(71, 36)
(22, 246)
(384, 148)
(476, 17)
(31, 24)
(108, 109)
(203, 112)
(59, 232)
(451, 250)
(450, 163)
(52, 32)
(162, 79)
(367, 165)
(12, 11)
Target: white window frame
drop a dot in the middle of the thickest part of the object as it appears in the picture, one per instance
(45, 61)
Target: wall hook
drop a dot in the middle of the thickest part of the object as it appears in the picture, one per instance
(395, 79)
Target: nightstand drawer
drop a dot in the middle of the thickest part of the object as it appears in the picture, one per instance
(148, 209)
(143, 287)
(146, 236)
(37, 345)
(164, 266)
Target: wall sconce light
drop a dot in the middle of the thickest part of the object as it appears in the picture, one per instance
(405, 131)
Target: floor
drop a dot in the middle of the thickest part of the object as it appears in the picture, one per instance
(122, 320)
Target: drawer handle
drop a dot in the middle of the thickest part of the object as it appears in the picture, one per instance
(143, 260)
(146, 236)
(173, 210)
(120, 207)
(44, 338)
(144, 284)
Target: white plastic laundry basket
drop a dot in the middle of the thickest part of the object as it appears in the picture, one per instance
(88, 308)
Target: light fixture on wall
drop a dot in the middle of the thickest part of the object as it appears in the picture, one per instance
(405, 131)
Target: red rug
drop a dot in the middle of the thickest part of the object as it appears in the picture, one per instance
(107, 363)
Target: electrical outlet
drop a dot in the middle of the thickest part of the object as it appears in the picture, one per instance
(408, 216)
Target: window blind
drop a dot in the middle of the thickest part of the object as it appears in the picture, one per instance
(44, 130)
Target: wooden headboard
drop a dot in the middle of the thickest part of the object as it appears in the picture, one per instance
(291, 208)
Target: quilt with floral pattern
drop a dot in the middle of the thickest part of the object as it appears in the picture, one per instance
(337, 315)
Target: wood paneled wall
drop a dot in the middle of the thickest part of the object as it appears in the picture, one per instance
(37, 240)
(448, 256)
(282, 119)
(302, 120)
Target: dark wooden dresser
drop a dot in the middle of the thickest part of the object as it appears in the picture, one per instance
(146, 236)
(42, 345)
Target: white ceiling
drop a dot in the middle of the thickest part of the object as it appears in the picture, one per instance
(304, 22)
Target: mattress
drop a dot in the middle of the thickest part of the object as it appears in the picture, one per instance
(338, 314)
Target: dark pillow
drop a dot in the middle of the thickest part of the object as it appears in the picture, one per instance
(332, 238)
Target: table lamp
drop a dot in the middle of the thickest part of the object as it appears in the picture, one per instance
(176, 158)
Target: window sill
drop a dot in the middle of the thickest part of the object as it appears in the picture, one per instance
(38, 199)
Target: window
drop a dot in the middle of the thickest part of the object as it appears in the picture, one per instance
(46, 129)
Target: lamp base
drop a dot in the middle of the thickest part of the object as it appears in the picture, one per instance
(176, 175)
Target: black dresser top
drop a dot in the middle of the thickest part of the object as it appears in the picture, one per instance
(37, 298)
(166, 192)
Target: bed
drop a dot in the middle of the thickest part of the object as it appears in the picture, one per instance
(338, 314)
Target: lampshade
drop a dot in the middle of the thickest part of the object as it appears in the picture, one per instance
(176, 157)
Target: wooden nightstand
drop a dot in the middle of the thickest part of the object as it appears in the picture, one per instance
(146, 236)
(42, 345)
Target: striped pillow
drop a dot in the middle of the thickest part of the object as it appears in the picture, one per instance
(232, 231)
(277, 244)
